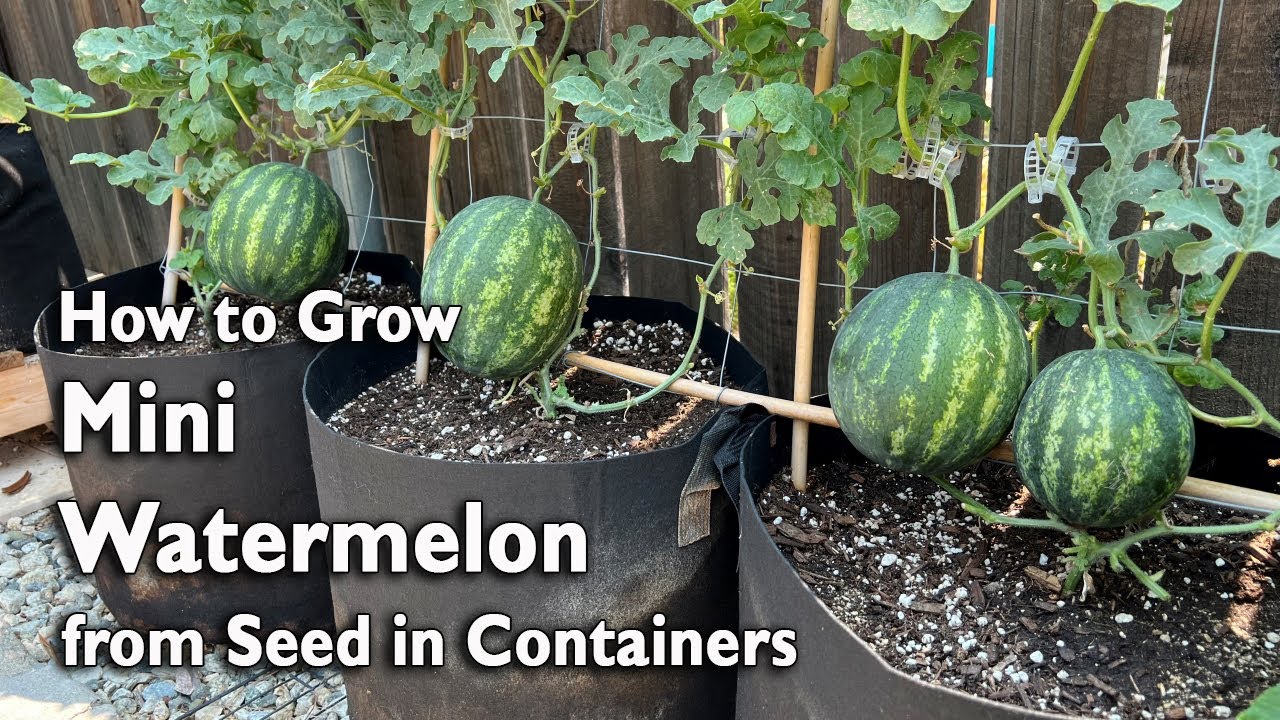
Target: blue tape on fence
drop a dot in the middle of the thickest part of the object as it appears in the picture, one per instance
(991, 51)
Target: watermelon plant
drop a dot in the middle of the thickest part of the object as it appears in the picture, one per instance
(1103, 437)
(926, 373)
(756, 83)
(215, 72)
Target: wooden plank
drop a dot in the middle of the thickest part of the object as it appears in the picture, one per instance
(32, 452)
(1246, 95)
(23, 401)
(1033, 66)
(653, 204)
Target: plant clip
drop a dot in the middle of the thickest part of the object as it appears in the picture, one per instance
(1042, 180)
(727, 133)
(457, 133)
(1221, 187)
(939, 160)
(571, 142)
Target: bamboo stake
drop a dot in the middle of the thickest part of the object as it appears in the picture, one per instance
(806, 312)
(1192, 487)
(169, 296)
(422, 367)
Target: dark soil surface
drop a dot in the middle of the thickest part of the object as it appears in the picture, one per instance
(361, 291)
(461, 417)
(976, 607)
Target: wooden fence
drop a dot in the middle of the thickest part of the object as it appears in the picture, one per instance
(652, 206)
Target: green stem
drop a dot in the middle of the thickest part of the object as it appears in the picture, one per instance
(953, 220)
(1109, 306)
(970, 233)
(1080, 228)
(1206, 335)
(1240, 421)
(88, 115)
(995, 518)
(702, 31)
(685, 364)
(1263, 416)
(1077, 77)
(904, 76)
(1146, 579)
(1122, 545)
(953, 264)
(1099, 342)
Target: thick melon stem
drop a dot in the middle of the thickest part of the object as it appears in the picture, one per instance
(1087, 550)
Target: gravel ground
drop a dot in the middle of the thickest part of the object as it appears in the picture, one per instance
(40, 586)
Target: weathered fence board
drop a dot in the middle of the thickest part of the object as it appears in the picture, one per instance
(1246, 95)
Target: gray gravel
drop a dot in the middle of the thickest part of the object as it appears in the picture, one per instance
(40, 586)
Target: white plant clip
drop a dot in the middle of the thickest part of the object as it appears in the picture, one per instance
(1220, 187)
(727, 133)
(948, 163)
(1043, 180)
(457, 133)
(571, 142)
(938, 159)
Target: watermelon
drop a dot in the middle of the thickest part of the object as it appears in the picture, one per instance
(926, 374)
(515, 268)
(1104, 438)
(276, 231)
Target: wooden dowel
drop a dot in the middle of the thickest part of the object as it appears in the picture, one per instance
(422, 366)
(1192, 487)
(806, 310)
(169, 296)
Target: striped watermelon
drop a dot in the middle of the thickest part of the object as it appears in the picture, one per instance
(276, 231)
(515, 268)
(1103, 438)
(926, 374)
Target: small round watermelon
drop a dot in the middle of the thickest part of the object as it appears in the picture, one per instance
(1104, 438)
(926, 374)
(515, 268)
(276, 231)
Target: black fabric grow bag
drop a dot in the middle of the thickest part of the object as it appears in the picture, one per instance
(628, 506)
(836, 676)
(835, 670)
(267, 478)
(37, 248)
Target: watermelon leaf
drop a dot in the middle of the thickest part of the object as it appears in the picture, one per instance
(1265, 707)
(631, 93)
(1143, 326)
(13, 101)
(870, 130)
(1118, 181)
(1248, 162)
(505, 33)
(800, 121)
(54, 97)
(727, 229)
(929, 19)
(423, 13)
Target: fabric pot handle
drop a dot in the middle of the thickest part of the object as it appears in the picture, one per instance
(717, 466)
